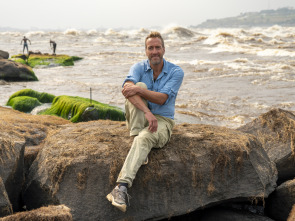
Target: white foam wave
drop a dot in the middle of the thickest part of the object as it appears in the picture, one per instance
(259, 106)
(241, 60)
(11, 33)
(276, 52)
(238, 119)
(203, 62)
(282, 77)
(102, 40)
(233, 47)
(92, 32)
(111, 31)
(141, 31)
(71, 32)
(274, 28)
(35, 33)
(178, 31)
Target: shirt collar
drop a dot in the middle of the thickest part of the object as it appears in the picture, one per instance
(164, 70)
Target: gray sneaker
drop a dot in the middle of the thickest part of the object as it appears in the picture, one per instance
(118, 198)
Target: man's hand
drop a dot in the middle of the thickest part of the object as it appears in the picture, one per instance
(153, 122)
(129, 90)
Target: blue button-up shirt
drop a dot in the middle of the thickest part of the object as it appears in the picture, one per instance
(168, 82)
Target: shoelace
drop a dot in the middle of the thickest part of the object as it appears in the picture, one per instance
(123, 197)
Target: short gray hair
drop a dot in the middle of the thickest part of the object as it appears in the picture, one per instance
(155, 34)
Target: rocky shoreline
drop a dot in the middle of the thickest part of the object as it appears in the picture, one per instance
(204, 172)
(19, 67)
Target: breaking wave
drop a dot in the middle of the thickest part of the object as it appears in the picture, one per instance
(179, 31)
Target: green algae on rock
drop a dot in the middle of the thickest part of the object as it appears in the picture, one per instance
(27, 99)
(34, 60)
(24, 103)
(74, 109)
(42, 97)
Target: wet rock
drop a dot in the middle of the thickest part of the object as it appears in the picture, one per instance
(4, 54)
(13, 71)
(89, 114)
(3, 82)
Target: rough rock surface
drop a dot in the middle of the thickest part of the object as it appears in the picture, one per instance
(291, 216)
(13, 71)
(5, 205)
(201, 166)
(231, 215)
(281, 201)
(11, 169)
(31, 129)
(50, 213)
(19, 131)
(276, 131)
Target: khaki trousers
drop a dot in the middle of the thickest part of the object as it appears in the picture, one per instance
(143, 141)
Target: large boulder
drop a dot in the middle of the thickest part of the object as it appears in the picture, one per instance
(200, 167)
(11, 169)
(4, 54)
(280, 202)
(13, 71)
(20, 131)
(276, 131)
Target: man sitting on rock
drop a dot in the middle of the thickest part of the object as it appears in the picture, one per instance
(150, 90)
(25, 44)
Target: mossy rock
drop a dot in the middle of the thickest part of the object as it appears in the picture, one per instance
(46, 59)
(24, 103)
(27, 99)
(76, 109)
(72, 108)
(42, 97)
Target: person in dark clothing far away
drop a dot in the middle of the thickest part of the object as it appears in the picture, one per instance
(53, 46)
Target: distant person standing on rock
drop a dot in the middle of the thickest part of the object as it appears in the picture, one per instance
(25, 44)
(53, 47)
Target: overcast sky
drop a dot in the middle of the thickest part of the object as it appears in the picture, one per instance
(93, 14)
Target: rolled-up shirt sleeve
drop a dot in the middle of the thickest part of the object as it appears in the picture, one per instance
(173, 84)
(133, 74)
